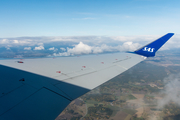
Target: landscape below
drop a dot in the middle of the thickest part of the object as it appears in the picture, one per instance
(137, 94)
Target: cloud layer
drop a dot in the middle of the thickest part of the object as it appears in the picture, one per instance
(171, 90)
(75, 45)
(96, 40)
(82, 48)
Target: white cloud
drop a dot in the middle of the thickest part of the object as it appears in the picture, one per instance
(24, 42)
(63, 49)
(39, 48)
(171, 90)
(15, 41)
(129, 46)
(51, 48)
(62, 54)
(27, 48)
(4, 41)
(81, 48)
(8, 47)
(97, 50)
(103, 48)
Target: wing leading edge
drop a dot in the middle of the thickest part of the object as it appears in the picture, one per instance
(42, 88)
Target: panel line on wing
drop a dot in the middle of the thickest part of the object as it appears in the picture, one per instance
(121, 67)
(77, 75)
(62, 91)
(59, 94)
(11, 91)
(122, 60)
(87, 73)
(20, 102)
(32, 95)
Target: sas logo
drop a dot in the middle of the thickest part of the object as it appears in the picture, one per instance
(148, 49)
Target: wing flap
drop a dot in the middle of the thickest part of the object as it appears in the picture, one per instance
(37, 107)
(15, 97)
(29, 96)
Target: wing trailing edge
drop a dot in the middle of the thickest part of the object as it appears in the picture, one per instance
(150, 49)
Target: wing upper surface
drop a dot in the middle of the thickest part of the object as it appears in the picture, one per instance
(69, 68)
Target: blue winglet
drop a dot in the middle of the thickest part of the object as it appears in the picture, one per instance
(150, 49)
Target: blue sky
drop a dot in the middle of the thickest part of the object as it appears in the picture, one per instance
(88, 17)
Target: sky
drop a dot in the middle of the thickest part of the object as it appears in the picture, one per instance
(68, 27)
(31, 28)
(88, 17)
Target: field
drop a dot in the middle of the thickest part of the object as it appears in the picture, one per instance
(134, 95)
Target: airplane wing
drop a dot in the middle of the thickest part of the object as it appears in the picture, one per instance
(39, 89)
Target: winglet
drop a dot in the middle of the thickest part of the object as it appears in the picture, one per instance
(150, 49)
